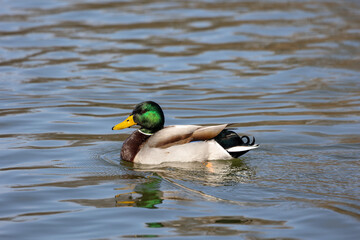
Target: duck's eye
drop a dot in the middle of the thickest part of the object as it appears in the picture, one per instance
(128, 120)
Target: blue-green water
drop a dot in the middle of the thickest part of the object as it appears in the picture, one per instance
(285, 72)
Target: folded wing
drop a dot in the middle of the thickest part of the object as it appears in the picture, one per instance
(181, 134)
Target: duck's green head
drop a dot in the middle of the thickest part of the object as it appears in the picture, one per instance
(148, 115)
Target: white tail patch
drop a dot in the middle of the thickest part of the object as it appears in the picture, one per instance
(242, 148)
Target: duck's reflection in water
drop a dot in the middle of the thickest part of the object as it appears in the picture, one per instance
(187, 179)
(218, 226)
(148, 193)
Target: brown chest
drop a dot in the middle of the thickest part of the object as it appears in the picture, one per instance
(132, 145)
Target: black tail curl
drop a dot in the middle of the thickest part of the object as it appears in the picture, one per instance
(228, 139)
(247, 142)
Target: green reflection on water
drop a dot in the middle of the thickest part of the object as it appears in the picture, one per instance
(155, 225)
(149, 192)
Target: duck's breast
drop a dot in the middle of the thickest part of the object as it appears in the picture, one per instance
(132, 145)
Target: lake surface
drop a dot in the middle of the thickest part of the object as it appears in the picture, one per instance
(286, 72)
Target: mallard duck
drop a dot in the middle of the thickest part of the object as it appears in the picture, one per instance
(154, 144)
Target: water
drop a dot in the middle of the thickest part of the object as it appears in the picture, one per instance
(284, 72)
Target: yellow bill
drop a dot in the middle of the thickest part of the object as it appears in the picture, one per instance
(125, 124)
